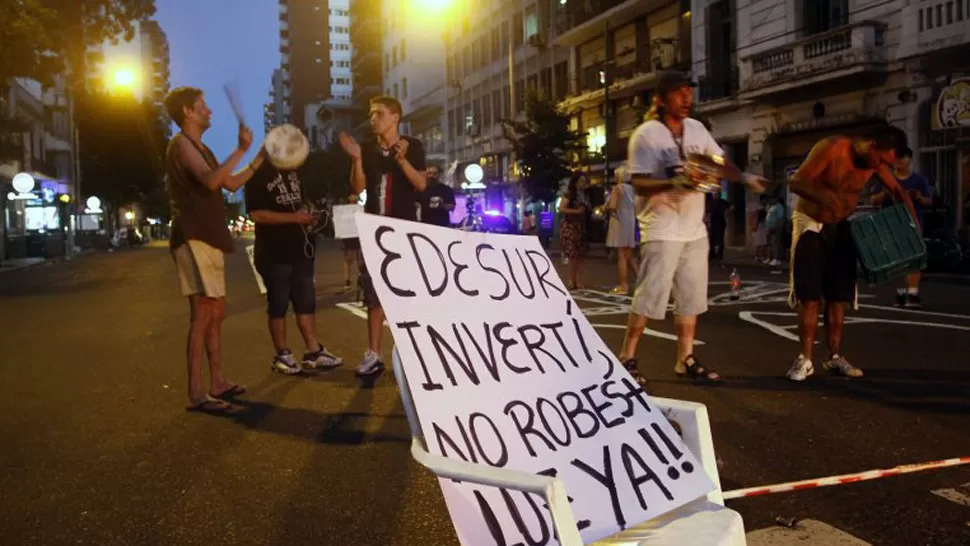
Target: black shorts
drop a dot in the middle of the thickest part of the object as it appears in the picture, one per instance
(825, 265)
(289, 283)
(350, 244)
(369, 298)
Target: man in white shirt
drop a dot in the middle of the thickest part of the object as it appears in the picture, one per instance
(674, 244)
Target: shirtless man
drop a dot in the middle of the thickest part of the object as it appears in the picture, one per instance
(824, 257)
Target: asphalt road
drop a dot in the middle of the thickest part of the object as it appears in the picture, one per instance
(98, 450)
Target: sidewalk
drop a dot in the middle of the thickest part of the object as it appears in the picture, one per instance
(18, 264)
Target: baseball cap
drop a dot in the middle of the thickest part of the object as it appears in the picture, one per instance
(669, 80)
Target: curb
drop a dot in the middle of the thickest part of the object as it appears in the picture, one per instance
(47, 261)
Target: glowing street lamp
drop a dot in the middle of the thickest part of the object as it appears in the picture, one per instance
(124, 78)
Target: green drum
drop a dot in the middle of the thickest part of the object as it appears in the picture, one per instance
(889, 243)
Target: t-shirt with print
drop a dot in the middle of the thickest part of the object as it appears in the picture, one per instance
(388, 191)
(437, 201)
(278, 191)
(672, 215)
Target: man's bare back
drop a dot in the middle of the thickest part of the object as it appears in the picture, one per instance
(836, 172)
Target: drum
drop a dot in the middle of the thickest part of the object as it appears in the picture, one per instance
(287, 147)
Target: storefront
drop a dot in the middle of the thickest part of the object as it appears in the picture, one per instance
(944, 153)
(34, 217)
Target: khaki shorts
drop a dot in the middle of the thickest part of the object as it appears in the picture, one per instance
(675, 267)
(201, 269)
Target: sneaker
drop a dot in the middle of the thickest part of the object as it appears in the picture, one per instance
(370, 365)
(321, 359)
(913, 301)
(840, 366)
(775, 263)
(900, 299)
(285, 364)
(801, 369)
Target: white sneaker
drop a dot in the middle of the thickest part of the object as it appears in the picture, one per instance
(840, 366)
(371, 364)
(801, 369)
(285, 363)
(774, 263)
(321, 359)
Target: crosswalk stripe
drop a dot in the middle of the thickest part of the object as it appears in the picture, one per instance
(959, 494)
(806, 531)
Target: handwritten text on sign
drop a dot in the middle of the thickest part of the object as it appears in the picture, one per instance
(506, 371)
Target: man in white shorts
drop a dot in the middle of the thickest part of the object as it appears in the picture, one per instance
(200, 238)
(674, 244)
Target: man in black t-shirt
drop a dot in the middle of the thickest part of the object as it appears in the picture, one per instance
(437, 201)
(391, 169)
(284, 253)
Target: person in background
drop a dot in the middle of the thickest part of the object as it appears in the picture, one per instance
(391, 167)
(775, 226)
(574, 207)
(200, 238)
(717, 210)
(284, 255)
(762, 253)
(621, 234)
(436, 201)
(921, 193)
(351, 247)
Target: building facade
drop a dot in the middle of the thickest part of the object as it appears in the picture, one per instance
(778, 75)
(484, 83)
(305, 53)
(366, 44)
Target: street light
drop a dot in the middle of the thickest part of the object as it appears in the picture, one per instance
(124, 78)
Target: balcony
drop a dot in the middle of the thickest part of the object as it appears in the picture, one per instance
(934, 25)
(579, 22)
(851, 50)
(628, 79)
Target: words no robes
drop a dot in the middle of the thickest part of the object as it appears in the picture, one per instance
(507, 372)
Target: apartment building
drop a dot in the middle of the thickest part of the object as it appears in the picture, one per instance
(778, 75)
(366, 44)
(616, 51)
(484, 83)
(276, 110)
(414, 71)
(305, 53)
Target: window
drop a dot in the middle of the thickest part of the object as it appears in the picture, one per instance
(403, 51)
(404, 88)
(486, 111)
(531, 27)
(497, 104)
(483, 48)
(318, 60)
(518, 29)
(395, 91)
(387, 62)
(394, 56)
(317, 42)
(496, 44)
(475, 61)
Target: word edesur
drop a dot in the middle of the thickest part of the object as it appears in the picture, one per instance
(525, 272)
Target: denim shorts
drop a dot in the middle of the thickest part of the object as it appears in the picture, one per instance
(289, 283)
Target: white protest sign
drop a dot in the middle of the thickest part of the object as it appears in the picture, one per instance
(343, 221)
(506, 371)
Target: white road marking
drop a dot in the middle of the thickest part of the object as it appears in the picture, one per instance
(358, 310)
(785, 331)
(959, 494)
(915, 311)
(806, 531)
(782, 331)
(647, 332)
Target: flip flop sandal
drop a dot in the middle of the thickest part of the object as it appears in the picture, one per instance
(212, 407)
(700, 374)
(233, 391)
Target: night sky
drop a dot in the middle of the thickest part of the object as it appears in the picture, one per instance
(217, 41)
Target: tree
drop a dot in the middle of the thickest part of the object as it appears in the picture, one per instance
(40, 39)
(122, 142)
(546, 148)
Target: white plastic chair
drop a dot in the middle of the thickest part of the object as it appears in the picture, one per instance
(703, 522)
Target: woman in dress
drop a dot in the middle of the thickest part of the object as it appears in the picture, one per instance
(621, 234)
(572, 230)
